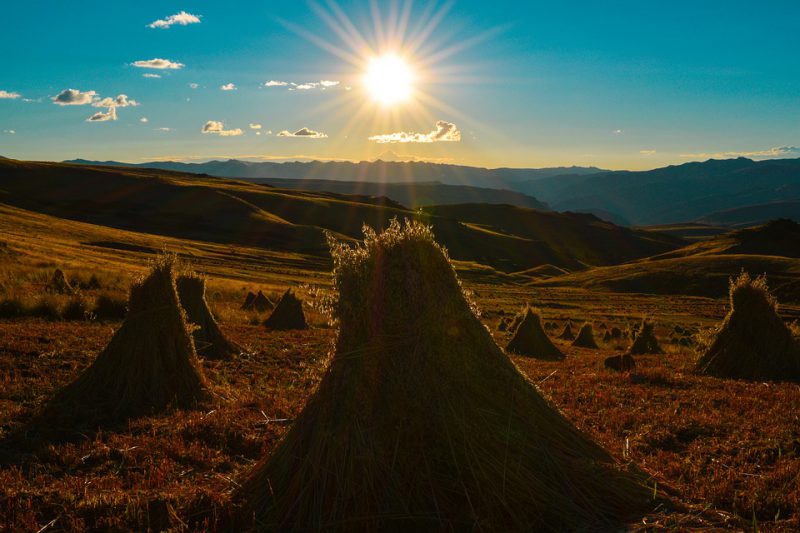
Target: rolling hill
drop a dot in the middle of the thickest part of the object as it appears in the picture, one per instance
(750, 215)
(201, 208)
(703, 268)
(413, 195)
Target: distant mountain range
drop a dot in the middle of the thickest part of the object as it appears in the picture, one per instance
(691, 191)
(369, 171)
(732, 192)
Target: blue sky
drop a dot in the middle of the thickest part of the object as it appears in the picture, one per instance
(617, 84)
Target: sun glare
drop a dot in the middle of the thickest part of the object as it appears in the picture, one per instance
(388, 79)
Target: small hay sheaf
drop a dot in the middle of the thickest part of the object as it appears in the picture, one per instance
(209, 340)
(261, 303)
(421, 422)
(247, 305)
(566, 333)
(585, 338)
(646, 341)
(288, 314)
(58, 283)
(752, 342)
(530, 339)
(148, 365)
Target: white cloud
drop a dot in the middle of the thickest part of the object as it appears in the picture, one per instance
(74, 97)
(163, 129)
(258, 133)
(111, 114)
(303, 133)
(120, 101)
(193, 86)
(158, 63)
(444, 132)
(617, 132)
(10, 132)
(305, 86)
(777, 151)
(144, 120)
(183, 19)
(228, 87)
(647, 152)
(5, 95)
(150, 75)
(255, 126)
(216, 127)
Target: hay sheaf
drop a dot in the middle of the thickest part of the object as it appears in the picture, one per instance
(288, 314)
(149, 364)
(530, 339)
(753, 342)
(58, 283)
(585, 338)
(261, 303)
(646, 341)
(566, 333)
(209, 340)
(248, 301)
(422, 422)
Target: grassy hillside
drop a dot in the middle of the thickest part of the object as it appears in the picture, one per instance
(700, 275)
(199, 208)
(779, 238)
(578, 236)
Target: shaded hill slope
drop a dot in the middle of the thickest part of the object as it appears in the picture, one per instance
(412, 195)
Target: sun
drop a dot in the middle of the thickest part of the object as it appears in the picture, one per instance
(388, 79)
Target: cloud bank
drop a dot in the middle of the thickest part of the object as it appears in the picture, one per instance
(777, 151)
(303, 133)
(182, 19)
(444, 132)
(5, 95)
(216, 127)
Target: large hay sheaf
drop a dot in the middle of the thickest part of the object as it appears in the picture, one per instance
(288, 314)
(753, 342)
(209, 340)
(422, 422)
(530, 339)
(646, 341)
(149, 364)
(585, 338)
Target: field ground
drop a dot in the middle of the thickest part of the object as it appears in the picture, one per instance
(728, 450)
